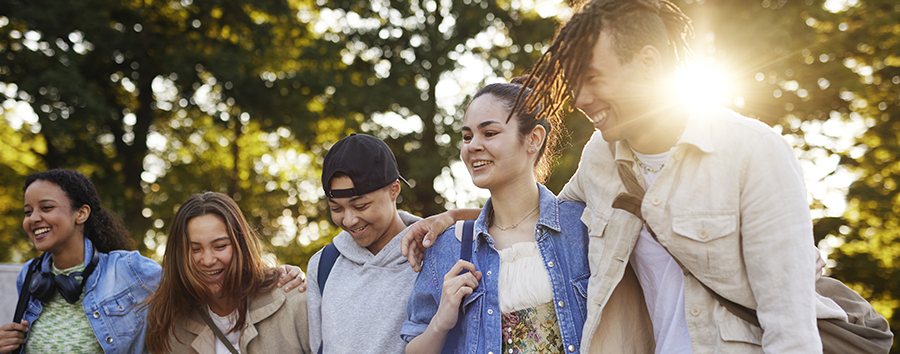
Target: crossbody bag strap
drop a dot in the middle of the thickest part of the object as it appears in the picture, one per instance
(631, 184)
(25, 295)
(216, 330)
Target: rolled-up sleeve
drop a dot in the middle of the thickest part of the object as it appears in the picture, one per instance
(425, 297)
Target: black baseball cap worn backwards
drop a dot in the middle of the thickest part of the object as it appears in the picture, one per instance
(368, 162)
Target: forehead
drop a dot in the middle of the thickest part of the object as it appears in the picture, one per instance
(43, 190)
(486, 107)
(603, 55)
(206, 228)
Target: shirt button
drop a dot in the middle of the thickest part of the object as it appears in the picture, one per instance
(655, 201)
(571, 348)
(702, 234)
(490, 312)
(96, 315)
(562, 304)
(540, 231)
(109, 339)
(509, 341)
(489, 273)
(551, 264)
(490, 352)
(695, 311)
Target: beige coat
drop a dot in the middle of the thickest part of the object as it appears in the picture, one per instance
(276, 324)
(731, 206)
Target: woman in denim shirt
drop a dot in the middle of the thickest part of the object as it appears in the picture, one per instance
(63, 219)
(525, 289)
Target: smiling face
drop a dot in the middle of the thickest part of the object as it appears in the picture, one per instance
(371, 218)
(492, 150)
(615, 96)
(50, 222)
(211, 250)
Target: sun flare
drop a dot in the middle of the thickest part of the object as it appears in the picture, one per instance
(705, 82)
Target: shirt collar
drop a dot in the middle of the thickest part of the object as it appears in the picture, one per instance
(548, 217)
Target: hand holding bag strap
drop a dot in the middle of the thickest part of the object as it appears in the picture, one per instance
(216, 331)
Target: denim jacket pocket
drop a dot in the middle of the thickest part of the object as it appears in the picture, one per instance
(471, 301)
(580, 284)
(709, 242)
(122, 311)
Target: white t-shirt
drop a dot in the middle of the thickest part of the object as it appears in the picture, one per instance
(661, 278)
(225, 324)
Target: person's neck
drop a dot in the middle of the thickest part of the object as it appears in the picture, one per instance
(396, 227)
(665, 125)
(221, 306)
(70, 255)
(514, 200)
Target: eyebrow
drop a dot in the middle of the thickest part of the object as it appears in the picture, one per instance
(481, 125)
(213, 241)
(42, 201)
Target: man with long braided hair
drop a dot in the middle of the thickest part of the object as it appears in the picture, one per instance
(725, 203)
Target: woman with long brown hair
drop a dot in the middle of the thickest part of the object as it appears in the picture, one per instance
(216, 294)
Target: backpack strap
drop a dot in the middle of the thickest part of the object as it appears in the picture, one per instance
(465, 250)
(25, 295)
(326, 261)
(329, 255)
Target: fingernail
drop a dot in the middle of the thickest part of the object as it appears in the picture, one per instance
(427, 243)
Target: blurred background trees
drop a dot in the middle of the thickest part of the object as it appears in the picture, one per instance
(156, 100)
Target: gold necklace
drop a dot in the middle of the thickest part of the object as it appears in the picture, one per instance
(513, 225)
(648, 168)
(645, 167)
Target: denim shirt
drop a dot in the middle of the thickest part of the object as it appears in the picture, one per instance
(112, 297)
(562, 240)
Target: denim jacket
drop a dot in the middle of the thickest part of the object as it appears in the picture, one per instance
(562, 240)
(112, 297)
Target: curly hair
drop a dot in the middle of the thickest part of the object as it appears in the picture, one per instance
(507, 94)
(632, 24)
(102, 227)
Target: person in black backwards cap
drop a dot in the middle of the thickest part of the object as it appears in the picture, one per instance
(368, 278)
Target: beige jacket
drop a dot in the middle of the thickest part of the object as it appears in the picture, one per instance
(731, 205)
(276, 324)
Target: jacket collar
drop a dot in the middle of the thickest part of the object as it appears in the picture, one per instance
(547, 219)
(261, 307)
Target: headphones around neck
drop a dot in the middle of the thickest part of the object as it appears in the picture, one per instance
(44, 284)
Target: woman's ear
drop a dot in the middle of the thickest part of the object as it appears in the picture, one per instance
(536, 138)
(82, 214)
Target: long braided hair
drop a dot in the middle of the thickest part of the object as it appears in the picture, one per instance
(632, 24)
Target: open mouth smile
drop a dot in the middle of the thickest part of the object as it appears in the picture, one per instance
(41, 231)
(480, 163)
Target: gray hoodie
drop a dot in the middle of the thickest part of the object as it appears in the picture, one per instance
(365, 304)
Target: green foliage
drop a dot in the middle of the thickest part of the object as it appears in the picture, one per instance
(157, 100)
